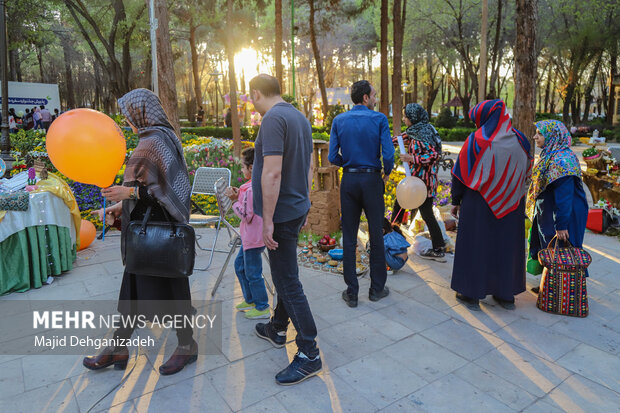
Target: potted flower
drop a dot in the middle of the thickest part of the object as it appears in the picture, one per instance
(591, 154)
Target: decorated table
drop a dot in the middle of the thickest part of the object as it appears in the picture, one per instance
(602, 175)
(41, 241)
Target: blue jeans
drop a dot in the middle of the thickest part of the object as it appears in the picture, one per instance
(292, 302)
(395, 263)
(249, 269)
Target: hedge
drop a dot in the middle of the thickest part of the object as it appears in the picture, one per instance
(319, 132)
(247, 132)
(454, 134)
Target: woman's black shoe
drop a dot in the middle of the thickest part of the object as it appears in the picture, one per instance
(376, 296)
(535, 290)
(507, 304)
(350, 300)
(471, 303)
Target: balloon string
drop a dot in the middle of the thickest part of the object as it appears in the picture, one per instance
(401, 146)
(104, 221)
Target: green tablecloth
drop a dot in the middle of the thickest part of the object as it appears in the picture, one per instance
(30, 256)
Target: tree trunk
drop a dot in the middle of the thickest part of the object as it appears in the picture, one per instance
(190, 101)
(67, 54)
(195, 70)
(97, 85)
(13, 63)
(165, 67)
(613, 71)
(384, 98)
(548, 90)
(415, 79)
(40, 60)
(524, 111)
(278, 45)
(568, 98)
(589, 87)
(466, 96)
(493, 92)
(552, 93)
(576, 107)
(397, 103)
(317, 61)
(232, 80)
(430, 96)
(407, 93)
(483, 51)
(370, 66)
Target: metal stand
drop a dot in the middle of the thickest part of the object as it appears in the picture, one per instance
(236, 242)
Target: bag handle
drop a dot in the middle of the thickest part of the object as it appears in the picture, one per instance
(147, 216)
(554, 251)
(146, 219)
(555, 237)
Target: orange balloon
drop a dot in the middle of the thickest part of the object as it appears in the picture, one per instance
(87, 234)
(86, 146)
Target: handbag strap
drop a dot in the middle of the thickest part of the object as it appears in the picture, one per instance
(554, 252)
(147, 216)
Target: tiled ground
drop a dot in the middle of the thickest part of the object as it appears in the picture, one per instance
(416, 350)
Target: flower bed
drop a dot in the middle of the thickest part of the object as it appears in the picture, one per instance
(198, 151)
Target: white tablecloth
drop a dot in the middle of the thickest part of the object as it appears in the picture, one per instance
(45, 209)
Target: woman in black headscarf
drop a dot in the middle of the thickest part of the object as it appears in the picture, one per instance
(155, 176)
(424, 150)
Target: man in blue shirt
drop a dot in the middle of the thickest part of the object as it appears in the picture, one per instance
(358, 140)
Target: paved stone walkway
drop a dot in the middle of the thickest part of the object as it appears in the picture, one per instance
(416, 350)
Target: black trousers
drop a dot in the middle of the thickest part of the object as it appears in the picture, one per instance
(363, 191)
(292, 302)
(426, 211)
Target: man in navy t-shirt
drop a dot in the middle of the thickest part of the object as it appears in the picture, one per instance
(359, 139)
(281, 181)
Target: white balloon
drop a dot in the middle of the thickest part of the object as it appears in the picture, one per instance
(411, 192)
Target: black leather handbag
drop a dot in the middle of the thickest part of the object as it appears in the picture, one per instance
(162, 249)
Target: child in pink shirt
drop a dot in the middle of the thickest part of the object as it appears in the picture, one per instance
(249, 263)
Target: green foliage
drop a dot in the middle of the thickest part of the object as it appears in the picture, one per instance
(247, 132)
(612, 134)
(215, 153)
(208, 204)
(547, 116)
(118, 118)
(334, 111)
(445, 119)
(589, 152)
(291, 99)
(597, 121)
(28, 141)
(454, 134)
(320, 136)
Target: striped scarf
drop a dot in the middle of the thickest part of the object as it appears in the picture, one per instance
(495, 158)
